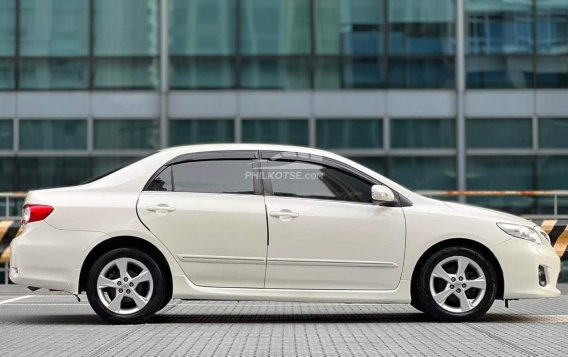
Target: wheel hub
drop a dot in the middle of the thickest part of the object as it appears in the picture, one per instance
(464, 296)
(125, 286)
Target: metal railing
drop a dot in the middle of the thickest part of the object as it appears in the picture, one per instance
(11, 204)
(462, 194)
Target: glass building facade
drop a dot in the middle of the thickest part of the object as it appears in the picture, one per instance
(436, 94)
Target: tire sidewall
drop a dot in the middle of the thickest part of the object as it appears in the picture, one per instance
(437, 312)
(158, 293)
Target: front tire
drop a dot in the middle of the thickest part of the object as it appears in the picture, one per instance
(456, 284)
(126, 286)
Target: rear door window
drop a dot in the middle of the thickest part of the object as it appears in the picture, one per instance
(214, 176)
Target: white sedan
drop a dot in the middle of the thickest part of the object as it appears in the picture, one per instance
(268, 222)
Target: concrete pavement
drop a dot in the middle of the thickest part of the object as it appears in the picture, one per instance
(55, 324)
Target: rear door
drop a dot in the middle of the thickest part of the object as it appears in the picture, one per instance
(209, 211)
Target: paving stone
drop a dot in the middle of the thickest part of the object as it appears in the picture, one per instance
(59, 325)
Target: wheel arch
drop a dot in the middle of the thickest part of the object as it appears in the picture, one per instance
(126, 242)
(460, 242)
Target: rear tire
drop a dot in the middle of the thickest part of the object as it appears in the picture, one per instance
(415, 303)
(126, 286)
(456, 284)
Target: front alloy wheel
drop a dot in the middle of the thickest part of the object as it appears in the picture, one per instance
(126, 286)
(456, 284)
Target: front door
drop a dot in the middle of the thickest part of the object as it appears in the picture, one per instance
(212, 218)
(324, 231)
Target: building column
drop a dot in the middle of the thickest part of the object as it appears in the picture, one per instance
(460, 101)
(164, 70)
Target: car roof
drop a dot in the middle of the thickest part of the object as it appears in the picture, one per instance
(245, 146)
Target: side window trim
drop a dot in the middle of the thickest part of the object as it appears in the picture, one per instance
(214, 155)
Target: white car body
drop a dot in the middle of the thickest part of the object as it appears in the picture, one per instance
(334, 252)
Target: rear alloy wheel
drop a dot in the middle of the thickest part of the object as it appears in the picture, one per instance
(456, 284)
(125, 286)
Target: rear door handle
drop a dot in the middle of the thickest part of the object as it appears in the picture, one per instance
(160, 208)
(284, 214)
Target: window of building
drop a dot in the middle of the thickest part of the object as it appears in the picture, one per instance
(53, 134)
(54, 28)
(216, 176)
(53, 74)
(126, 28)
(308, 180)
(6, 134)
(501, 173)
(7, 28)
(349, 27)
(349, 73)
(288, 74)
(199, 73)
(8, 174)
(54, 43)
(105, 164)
(421, 27)
(275, 27)
(552, 71)
(424, 173)
(126, 73)
(203, 27)
(183, 132)
(552, 133)
(499, 133)
(423, 133)
(110, 134)
(126, 44)
(552, 172)
(421, 72)
(498, 43)
(349, 133)
(47, 172)
(551, 175)
(421, 43)
(552, 44)
(377, 164)
(275, 131)
(7, 74)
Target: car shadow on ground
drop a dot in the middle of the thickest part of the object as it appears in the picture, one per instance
(325, 318)
(375, 318)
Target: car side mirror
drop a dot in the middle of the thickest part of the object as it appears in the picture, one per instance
(382, 194)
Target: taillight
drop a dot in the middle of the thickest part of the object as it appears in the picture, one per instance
(33, 213)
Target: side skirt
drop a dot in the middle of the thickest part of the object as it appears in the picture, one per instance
(185, 290)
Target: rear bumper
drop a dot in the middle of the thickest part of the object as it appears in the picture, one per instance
(520, 261)
(46, 257)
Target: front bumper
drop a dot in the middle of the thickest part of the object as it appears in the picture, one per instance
(46, 257)
(520, 261)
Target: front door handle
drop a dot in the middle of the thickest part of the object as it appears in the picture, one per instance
(284, 215)
(161, 208)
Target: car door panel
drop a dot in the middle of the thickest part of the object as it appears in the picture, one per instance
(334, 245)
(219, 239)
(209, 210)
(324, 230)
